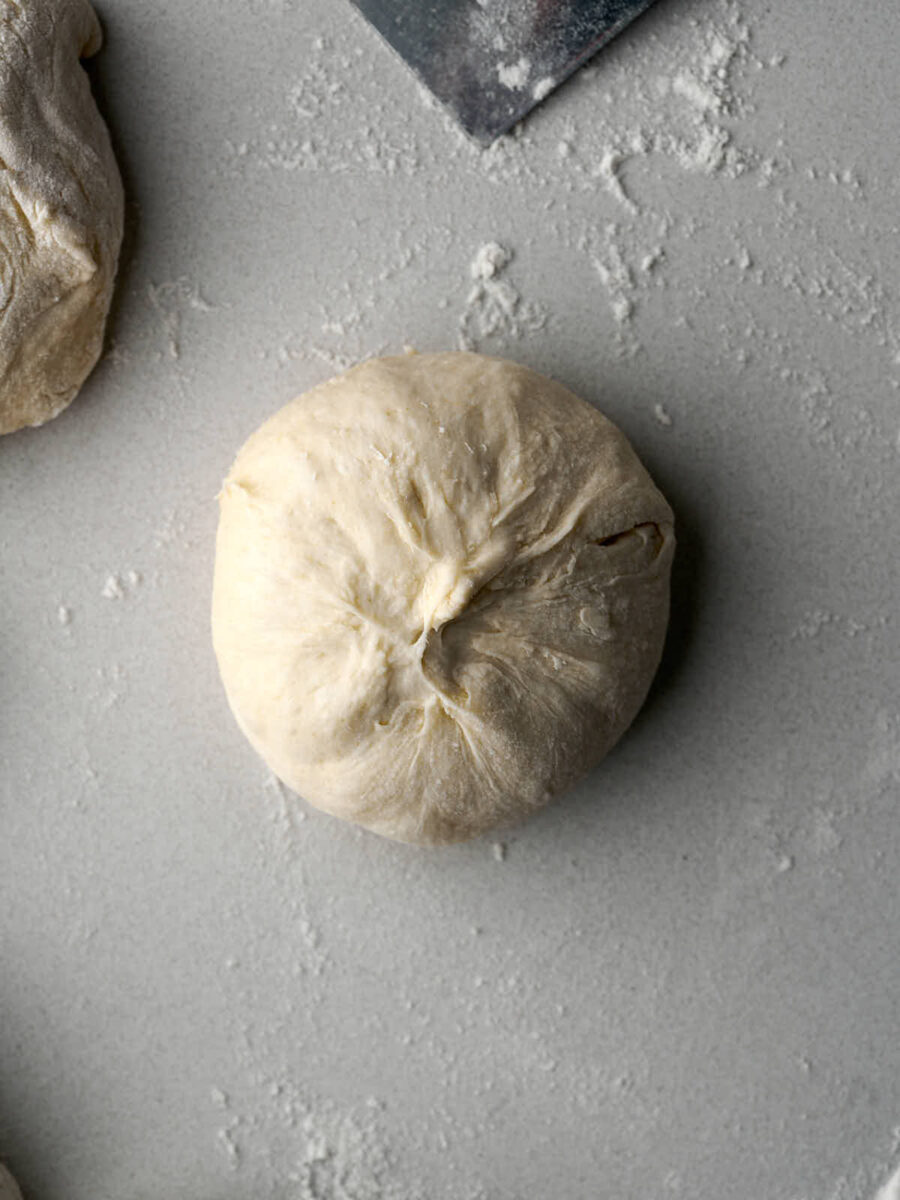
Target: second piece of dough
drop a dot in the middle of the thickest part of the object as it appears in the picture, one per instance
(61, 210)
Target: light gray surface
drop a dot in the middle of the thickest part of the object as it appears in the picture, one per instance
(684, 980)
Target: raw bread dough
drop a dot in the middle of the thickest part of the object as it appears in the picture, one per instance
(8, 1188)
(441, 592)
(60, 209)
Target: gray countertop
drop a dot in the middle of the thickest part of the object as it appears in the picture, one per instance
(684, 979)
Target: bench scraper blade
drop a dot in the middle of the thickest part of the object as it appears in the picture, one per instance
(492, 61)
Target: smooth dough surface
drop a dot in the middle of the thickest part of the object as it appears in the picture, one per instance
(60, 209)
(8, 1188)
(441, 592)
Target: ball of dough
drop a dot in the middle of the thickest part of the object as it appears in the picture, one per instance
(8, 1188)
(441, 592)
(61, 210)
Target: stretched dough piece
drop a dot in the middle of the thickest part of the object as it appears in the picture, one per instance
(8, 1188)
(61, 209)
(441, 592)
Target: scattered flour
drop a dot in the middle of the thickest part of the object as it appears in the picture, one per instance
(326, 1153)
(169, 301)
(682, 108)
(617, 277)
(110, 687)
(490, 261)
(515, 75)
(287, 813)
(815, 620)
(293, 143)
(493, 306)
(118, 586)
(689, 114)
(171, 532)
(707, 85)
(113, 589)
(618, 280)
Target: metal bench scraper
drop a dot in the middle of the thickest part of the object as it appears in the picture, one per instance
(491, 61)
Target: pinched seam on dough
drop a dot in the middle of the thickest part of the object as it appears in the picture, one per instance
(455, 704)
(610, 540)
(466, 721)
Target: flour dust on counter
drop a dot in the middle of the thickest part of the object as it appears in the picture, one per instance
(817, 621)
(120, 585)
(682, 101)
(168, 301)
(493, 306)
(270, 1129)
(316, 1150)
